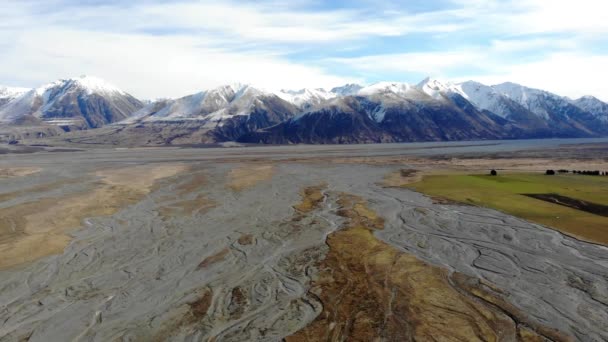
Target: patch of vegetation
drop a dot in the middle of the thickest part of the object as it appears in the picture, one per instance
(505, 193)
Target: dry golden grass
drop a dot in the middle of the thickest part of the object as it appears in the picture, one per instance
(35, 229)
(249, 175)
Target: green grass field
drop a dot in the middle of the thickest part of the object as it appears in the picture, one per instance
(503, 192)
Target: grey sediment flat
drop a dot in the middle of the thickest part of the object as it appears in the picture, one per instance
(132, 276)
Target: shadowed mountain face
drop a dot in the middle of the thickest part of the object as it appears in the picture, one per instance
(343, 121)
(267, 111)
(386, 117)
(90, 111)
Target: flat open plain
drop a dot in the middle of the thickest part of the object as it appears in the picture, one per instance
(303, 243)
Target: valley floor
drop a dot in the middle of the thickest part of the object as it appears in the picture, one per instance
(296, 242)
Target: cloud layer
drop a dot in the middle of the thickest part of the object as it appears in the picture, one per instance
(158, 49)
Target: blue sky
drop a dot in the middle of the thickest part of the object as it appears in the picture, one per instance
(169, 49)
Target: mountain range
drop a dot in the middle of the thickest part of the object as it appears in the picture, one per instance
(431, 110)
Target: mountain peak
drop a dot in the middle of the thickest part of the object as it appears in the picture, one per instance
(437, 89)
(90, 84)
(12, 92)
(305, 97)
(347, 89)
(94, 84)
(386, 87)
(588, 98)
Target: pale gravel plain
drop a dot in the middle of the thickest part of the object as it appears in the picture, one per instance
(134, 276)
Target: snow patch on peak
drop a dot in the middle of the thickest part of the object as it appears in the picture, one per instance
(347, 89)
(592, 105)
(534, 100)
(305, 96)
(484, 97)
(90, 85)
(438, 89)
(588, 98)
(386, 87)
(95, 85)
(517, 92)
(211, 106)
(12, 92)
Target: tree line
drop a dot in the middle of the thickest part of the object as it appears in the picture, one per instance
(578, 172)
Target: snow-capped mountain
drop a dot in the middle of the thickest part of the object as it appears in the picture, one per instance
(535, 100)
(438, 89)
(148, 110)
(219, 114)
(564, 118)
(382, 88)
(384, 112)
(535, 113)
(380, 112)
(593, 106)
(347, 89)
(81, 102)
(306, 98)
(487, 98)
(212, 106)
(8, 94)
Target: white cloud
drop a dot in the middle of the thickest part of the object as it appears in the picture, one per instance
(566, 74)
(150, 66)
(518, 17)
(541, 16)
(172, 49)
(175, 48)
(422, 62)
(531, 44)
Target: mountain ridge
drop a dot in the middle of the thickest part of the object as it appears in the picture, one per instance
(381, 112)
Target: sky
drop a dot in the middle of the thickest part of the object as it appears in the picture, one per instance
(158, 49)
